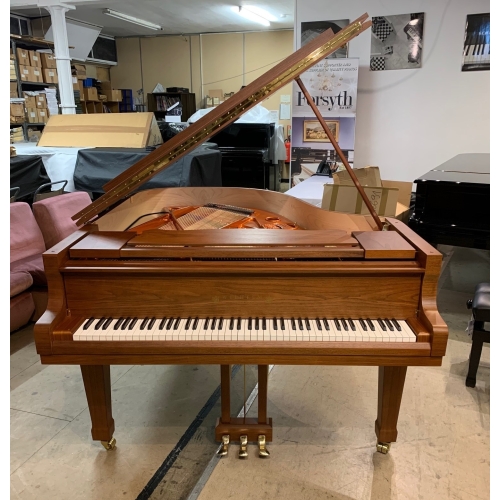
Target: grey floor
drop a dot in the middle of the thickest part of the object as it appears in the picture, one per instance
(323, 444)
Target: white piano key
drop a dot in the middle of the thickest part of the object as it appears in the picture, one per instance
(409, 335)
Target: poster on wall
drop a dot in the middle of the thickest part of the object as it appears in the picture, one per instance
(476, 53)
(332, 84)
(396, 42)
(310, 30)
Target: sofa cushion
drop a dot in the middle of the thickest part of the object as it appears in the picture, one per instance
(21, 310)
(34, 266)
(20, 281)
(25, 236)
(53, 215)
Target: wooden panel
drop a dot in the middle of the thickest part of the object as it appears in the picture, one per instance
(384, 245)
(244, 295)
(101, 245)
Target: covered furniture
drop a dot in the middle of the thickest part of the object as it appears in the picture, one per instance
(27, 173)
(480, 306)
(27, 276)
(53, 215)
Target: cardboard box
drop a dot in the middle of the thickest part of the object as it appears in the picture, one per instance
(13, 75)
(25, 73)
(35, 60)
(102, 74)
(23, 57)
(368, 176)
(90, 94)
(106, 86)
(13, 89)
(48, 61)
(32, 115)
(13, 94)
(113, 95)
(50, 75)
(79, 71)
(41, 101)
(29, 101)
(130, 130)
(79, 86)
(16, 119)
(17, 109)
(34, 133)
(43, 115)
(36, 74)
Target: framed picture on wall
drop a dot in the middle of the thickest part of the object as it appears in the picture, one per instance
(476, 53)
(313, 131)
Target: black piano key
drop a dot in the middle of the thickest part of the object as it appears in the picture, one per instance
(231, 323)
(118, 323)
(214, 323)
(389, 324)
(238, 324)
(126, 322)
(144, 323)
(264, 324)
(205, 325)
(177, 323)
(133, 323)
(337, 324)
(282, 323)
(257, 323)
(195, 324)
(221, 323)
(292, 321)
(152, 322)
(275, 323)
(163, 323)
(344, 324)
(363, 325)
(318, 324)
(188, 322)
(381, 323)
(107, 323)
(88, 323)
(396, 324)
(301, 325)
(170, 323)
(308, 324)
(100, 323)
(327, 326)
(371, 325)
(351, 324)
(249, 323)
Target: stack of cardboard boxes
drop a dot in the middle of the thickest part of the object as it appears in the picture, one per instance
(36, 66)
(36, 107)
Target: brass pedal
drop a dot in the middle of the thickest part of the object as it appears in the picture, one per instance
(109, 445)
(243, 447)
(222, 451)
(263, 451)
(383, 448)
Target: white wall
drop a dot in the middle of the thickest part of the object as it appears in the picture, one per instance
(410, 121)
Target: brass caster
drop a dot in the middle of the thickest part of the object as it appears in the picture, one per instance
(243, 447)
(222, 452)
(263, 451)
(109, 445)
(383, 447)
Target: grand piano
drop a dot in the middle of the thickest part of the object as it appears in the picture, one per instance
(452, 204)
(149, 279)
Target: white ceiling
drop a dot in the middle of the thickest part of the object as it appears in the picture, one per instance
(175, 16)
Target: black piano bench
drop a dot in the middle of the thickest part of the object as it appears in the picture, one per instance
(480, 306)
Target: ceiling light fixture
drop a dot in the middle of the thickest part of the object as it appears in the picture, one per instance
(132, 19)
(252, 16)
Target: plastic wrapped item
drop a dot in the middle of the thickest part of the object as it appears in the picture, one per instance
(258, 114)
(170, 129)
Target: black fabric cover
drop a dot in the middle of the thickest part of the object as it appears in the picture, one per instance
(95, 167)
(481, 302)
(27, 173)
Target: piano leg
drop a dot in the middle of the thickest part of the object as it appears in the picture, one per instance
(391, 380)
(263, 374)
(97, 382)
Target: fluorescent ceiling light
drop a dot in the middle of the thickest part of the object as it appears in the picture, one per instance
(252, 16)
(132, 19)
(260, 12)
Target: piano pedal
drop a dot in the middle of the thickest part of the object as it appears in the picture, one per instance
(224, 447)
(383, 448)
(109, 445)
(243, 447)
(263, 451)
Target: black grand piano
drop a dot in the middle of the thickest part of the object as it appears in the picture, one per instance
(452, 205)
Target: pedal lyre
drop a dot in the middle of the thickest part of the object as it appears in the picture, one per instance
(222, 452)
(243, 447)
(263, 451)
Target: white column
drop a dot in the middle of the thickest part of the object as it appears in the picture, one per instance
(63, 60)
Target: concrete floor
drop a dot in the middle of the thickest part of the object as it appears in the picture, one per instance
(324, 445)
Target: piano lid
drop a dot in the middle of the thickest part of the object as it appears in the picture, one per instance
(221, 116)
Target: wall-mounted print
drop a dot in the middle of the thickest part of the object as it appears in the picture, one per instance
(310, 30)
(313, 131)
(476, 53)
(397, 42)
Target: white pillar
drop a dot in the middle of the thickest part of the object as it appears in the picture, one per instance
(63, 60)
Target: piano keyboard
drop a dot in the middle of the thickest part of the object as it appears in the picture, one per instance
(238, 329)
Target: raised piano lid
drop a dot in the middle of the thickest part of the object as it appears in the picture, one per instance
(221, 116)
